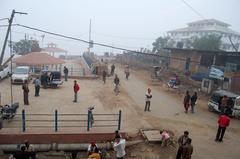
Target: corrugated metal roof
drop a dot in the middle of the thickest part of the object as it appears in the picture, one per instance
(37, 58)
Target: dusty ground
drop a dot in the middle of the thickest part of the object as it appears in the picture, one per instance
(166, 112)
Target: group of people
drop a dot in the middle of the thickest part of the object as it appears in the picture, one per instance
(190, 101)
(25, 88)
(185, 148)
(116, 80)
(26, 152)
(45, 77)
(118, 146)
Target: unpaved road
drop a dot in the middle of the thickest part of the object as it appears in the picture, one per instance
(167, 112)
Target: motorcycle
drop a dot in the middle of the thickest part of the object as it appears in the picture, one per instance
(8, 111)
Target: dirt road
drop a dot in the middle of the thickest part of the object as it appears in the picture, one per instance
(167, 112)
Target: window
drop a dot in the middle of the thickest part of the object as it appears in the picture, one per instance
(237, 102)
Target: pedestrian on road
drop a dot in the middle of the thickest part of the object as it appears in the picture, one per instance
(37, 84)
(127, 71)
(116, 83)
(224, 103)
(148, 100)
(119, 147)
(25, 93)
(223, 123)
(182, 141)
(186, 101)
(65, 71)
(187, 150)
(76, 88)
(104, 75)
(230, 105)
(112, 69)
(193, 101)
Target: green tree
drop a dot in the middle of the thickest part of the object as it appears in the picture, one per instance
(23, 47)
(207, 42)
(161, 43)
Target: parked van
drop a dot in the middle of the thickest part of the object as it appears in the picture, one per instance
(213, 103)
(21, 74)
(4, 71)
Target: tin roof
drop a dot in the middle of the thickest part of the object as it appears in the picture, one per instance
(37, 58)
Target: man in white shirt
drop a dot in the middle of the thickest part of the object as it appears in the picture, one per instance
(119, 147)
(148, 98)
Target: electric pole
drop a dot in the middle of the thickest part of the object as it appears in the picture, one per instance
(90, 30)
(8, 31)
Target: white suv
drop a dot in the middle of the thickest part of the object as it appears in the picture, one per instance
(21, 74)
(4, 71)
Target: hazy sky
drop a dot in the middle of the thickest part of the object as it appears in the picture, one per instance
(123, 23)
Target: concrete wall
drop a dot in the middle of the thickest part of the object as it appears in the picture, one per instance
(178, 61)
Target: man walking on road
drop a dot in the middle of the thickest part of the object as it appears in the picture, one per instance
(148, 100)
(187, 150)
(117, 83)
(186, 101)
(25, 93)
(37, 84)
(182, 141)
(76, 88)
(65, 71)
(193, 101)
(223, 122)
(127, 71)
(104, 75)
(112, 69)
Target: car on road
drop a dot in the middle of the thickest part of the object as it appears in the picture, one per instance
(213, 103)
(4, 71)
(51, 79)
(21, 74)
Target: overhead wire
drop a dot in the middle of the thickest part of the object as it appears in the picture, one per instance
(122, 37)
(194, 10)
(100, 44)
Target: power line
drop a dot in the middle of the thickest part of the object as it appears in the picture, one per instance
(4, 19)
(194, 10)
(122, 37)
(100, 44)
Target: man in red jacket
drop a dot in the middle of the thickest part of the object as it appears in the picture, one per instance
(76, 88)
(223, 123)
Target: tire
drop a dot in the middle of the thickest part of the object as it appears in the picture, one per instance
(210, 109)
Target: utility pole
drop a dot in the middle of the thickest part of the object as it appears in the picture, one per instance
(8, 31)
(90, 30)
(11, 54)
(42, 36)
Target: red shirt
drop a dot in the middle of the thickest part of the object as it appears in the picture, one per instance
(224, 121)
(76, 88)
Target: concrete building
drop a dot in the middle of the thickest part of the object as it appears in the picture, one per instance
(193, 60)
(206, 27)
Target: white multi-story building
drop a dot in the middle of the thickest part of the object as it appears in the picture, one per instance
(207, 27)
